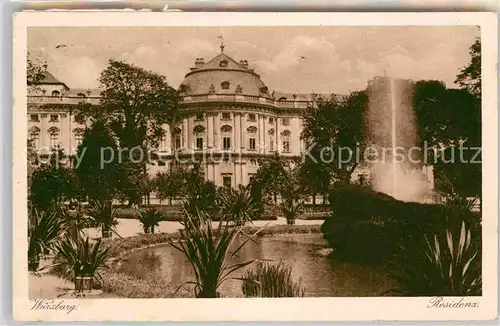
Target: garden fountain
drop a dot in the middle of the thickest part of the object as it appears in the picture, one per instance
(397, 167)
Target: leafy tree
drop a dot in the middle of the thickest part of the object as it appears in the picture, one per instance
(169, 185)
(134, 104)
(35, 71)
(469, 77)
(51, 182)
(333, 131)
(100, 180)
(266, 183)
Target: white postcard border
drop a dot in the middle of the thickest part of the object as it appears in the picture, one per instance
(303, 309)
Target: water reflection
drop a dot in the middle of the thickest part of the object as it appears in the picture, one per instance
(320, 276)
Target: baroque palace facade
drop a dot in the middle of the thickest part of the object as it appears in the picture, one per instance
(231, 120)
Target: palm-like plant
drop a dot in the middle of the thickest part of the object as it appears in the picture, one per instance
(150, 218)
(103, 214)
(238, 204)
(77, 258)
(208, 252)
(271, 281)
(449, 269)
(43, 230)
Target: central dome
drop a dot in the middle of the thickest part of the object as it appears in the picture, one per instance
(222, 75)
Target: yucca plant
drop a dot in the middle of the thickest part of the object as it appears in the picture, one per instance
(103, 215)
(238, 204)
(271, 281)
(209, 252)
(290, 208)
(43, 230)
(450, 266)
(73, 221)
(80, 260)
(150, 218)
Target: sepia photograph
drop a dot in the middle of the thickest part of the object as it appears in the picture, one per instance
(265, 161)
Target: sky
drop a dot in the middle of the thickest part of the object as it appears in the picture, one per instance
(327, 59)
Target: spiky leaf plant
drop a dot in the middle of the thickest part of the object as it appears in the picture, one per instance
(80, 258)
(209, 251)
(271, 281)
(238, 204)
(43, 230)
(450, 266)
(150, 218)
(104, 215)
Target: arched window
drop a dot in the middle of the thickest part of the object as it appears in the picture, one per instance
(252, 133)
(285, 140)
(282, 99)
(54, 137)
(177, 133)
(199, 131)
(56, 93)
(35, 137)
(226, 136)
(78, 133)
(253, 162)
(225, 85)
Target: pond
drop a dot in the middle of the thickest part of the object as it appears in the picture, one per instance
(320, 276)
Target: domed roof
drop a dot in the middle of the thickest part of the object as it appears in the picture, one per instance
(222, 75)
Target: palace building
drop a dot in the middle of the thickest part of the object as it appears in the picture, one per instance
(230, 120)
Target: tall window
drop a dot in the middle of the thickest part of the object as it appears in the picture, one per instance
(78, 132)
(285, 121)
(252, 132)
(271, 145)
(226, 180)
(271, 139)
(285, 138)
(177, 138)
(35, 137)
(271, 120)
(54, 137)
(226, 136)
(200, 134)
(251, 117)
(162, 146)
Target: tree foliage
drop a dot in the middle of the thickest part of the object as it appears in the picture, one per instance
(35, 71)
(333, 130)
(469, 77)
(53, 181)
(99, 170)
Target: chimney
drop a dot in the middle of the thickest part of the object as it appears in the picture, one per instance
(199, 62)
(244, 63)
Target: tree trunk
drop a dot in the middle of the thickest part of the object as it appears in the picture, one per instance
(314, 198)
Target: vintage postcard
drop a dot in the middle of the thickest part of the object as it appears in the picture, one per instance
(255, 166)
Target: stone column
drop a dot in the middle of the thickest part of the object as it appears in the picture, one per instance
(210, 129)
(237, 171)
(216, 133)
(233, 133)
(277, 131)
(217, 175)
(44, 132)
(238, 133)
(243, 131)
(262, 136)
(168, 138)
(185, 140)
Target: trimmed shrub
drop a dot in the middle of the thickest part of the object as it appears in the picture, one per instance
(372, 227)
